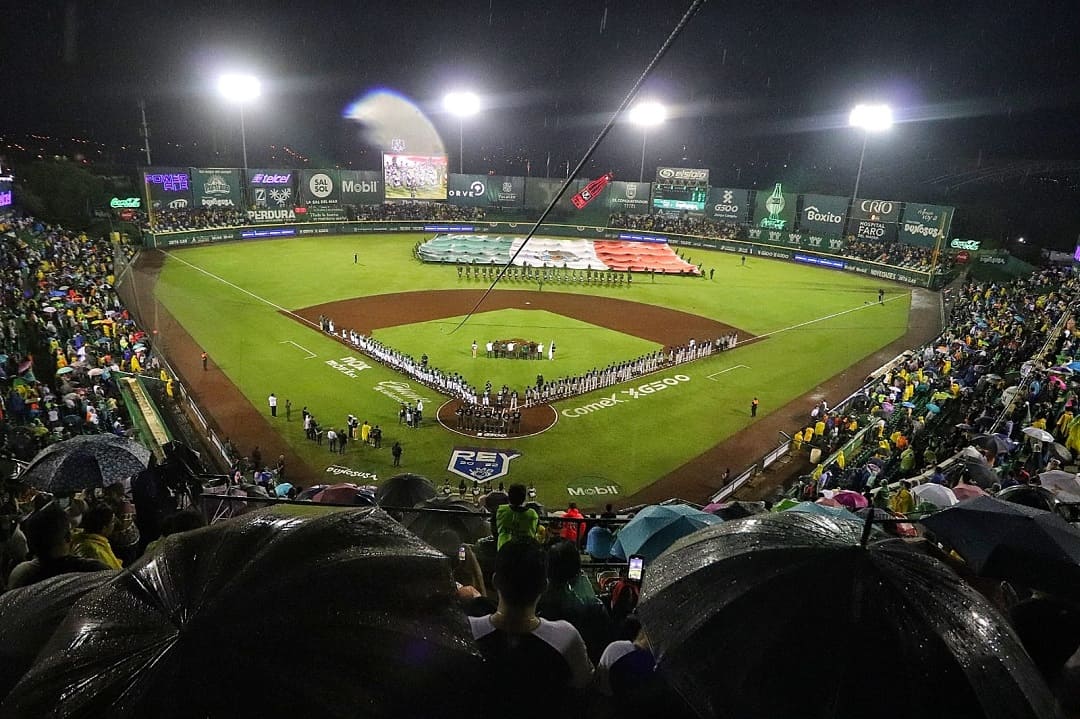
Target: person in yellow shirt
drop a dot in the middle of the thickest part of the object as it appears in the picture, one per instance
(819, 428)
(1062, 424)
(93, 541)
(902, 502)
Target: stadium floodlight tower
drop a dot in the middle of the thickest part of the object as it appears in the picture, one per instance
(646, 114)
(463, 104)
(240, 89)
(868, 118)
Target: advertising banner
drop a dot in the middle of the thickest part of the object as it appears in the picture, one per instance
(876, 210)
(677, 175)
(361, 187)
(539, 191)
(630, 198)
(815, 241)
(485, 191)
(727, 204)
(925, 224)
(319, 189)
(6, 194)
(823, 214)
(415, 177)
(775, 209)
(271, 189)
(217, 187)
(872, 230)
(168, 188)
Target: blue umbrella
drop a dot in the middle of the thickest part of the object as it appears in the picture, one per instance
(908, 404)
(282, 489)
(656, 528)
(822, 510)
(933, 408)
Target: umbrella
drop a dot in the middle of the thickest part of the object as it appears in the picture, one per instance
(65, 370)
(458, 515)
(909, 405)
(992, 442)
(1064, 485)
(851, 500)
(826, 502)
(964, 426)
(979, 474)
(29, 615)
(933, 408)
(370, 607)
(934, 494)
(405, 490)
(992, 377)
(311, 492)
(972, 453)
(785, 504)
(85, 462)
(1040, 434)
(344, 493)
(1008, 394)
(895, 529)
(820, 510)
(102, 341)
(96, 372)
(48, 308)
(1029, 495)
(1010, 541)
(283, 489)
(655, 528)
(731, 586)
(1060, 452)
(967, 491)
(736, 509)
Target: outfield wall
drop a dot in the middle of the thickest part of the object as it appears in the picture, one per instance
(795, 247)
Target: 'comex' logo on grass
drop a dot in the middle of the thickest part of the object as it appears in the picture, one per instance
(642, 390)
(593, 487)
(481, 465)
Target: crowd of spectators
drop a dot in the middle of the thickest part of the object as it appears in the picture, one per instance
(412, 210)
(198, 218)
(949, 395)
(678, 224)
(897, 254)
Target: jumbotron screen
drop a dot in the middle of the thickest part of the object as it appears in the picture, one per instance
(414, 177)
(680, 189)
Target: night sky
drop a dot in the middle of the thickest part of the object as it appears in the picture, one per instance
(760, 90)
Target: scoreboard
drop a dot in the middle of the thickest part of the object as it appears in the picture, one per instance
(680, 189)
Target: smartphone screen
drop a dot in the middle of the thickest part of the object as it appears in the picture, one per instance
(461, 553)
(635, 569)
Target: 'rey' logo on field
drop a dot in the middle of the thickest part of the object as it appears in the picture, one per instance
(480, 464)
(593, 487)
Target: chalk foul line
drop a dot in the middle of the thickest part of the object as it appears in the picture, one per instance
(300, 347)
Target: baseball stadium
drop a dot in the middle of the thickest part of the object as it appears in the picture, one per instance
(736, 439)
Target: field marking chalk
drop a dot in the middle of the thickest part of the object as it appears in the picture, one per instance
(715, 374)
(305, 349)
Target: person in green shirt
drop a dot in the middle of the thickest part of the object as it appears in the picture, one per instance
(515, 520)
(907, 461)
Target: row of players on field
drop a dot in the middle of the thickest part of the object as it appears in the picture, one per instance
(564, 388)
(547, 274)
(455, 385)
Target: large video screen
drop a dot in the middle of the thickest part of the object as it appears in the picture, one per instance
(414, 177)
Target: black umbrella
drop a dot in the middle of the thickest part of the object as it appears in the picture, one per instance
(737, 612)
(405, 490)
(29, 615)
(1061, 453)
(1029, 495)
(294, 610)
(1010, 541)
(85, 462)
(993, 442)
(739, 509)
(979, 474)
(458, 515)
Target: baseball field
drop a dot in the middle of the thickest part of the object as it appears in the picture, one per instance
(254, 308)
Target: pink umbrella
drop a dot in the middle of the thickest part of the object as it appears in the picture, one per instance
(337, 494)
(967, 491)
(829, 502)
(849, 499)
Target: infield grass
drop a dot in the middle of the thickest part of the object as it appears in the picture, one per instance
(818, 323)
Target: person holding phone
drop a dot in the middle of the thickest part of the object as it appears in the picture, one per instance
(528, 657)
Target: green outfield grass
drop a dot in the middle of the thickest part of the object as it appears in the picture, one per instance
(819, 322)
(580, 347)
